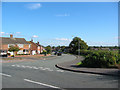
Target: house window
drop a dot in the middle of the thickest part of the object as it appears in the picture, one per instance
(25, 50)
(10, 45)
(29, 45)
(20, 45)
(38, 47)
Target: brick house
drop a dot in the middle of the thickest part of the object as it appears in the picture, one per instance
(6, 42)
(35, 48)
(40, 48)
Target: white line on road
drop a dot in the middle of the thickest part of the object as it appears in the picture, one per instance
(18, 65)
(40, 67)
(28, 66)
(13, 65)
(35, 68)
(41, 83)
(5, 75)
(23, 66)
(60, 70)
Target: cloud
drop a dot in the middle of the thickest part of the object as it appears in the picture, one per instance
(117, 37)
(2, 32)
(34, 6)
(63, 39)
(18, 32)
(63, 15)
(91, 43)
(35, 36)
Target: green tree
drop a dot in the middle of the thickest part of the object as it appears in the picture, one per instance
(13, 49)
(62, 48)
(77, 43)
(48, 49)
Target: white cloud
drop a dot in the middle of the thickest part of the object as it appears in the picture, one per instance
(62, 39)
(2, 32)
(34, 6)
(35, 36)
(116, 37)
(18, 32)
(91, 43)
(63, 15)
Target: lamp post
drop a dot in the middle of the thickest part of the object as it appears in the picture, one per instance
(78, 47)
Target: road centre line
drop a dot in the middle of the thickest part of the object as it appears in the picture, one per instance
(5, 75)
(41, 83)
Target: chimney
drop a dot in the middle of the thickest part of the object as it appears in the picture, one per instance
(31, 40)
(11, 36)
(37, 42)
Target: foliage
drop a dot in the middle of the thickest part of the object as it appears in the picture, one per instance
(13, 48)
(77, 43)
(62, 48)
(99, 59)
(48, 49)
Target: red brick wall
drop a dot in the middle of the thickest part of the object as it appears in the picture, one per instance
(4, 47)
(26, 46)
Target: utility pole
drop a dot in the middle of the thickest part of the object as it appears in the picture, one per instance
(78, 47)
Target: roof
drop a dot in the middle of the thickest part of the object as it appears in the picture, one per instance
(6, 40)
(38, 44)
(31, 42)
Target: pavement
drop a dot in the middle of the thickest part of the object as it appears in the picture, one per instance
(42, 73)
(72, 66)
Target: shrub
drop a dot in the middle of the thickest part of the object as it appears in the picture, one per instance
(99, 59)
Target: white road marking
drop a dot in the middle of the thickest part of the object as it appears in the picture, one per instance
(40, 67)
(13, 65)
(60, 70)
(43, 69)
(29, 66)
(5, 75)
(41, 83)
(35, 68)
(23, 66)
(18, 65)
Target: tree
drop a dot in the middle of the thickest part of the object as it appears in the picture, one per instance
(77, 43)
(13, 49)
(48, 49)
(62, 48)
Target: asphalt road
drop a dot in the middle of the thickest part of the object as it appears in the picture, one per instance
(44, 74)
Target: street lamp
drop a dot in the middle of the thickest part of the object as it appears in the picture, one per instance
(78, 47)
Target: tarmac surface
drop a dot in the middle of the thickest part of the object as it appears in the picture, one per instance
(42, 73)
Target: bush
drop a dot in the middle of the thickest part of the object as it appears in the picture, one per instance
(100, 59)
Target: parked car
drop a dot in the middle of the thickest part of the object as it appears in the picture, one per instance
(59, 53)
(4, 55)
(55, 53)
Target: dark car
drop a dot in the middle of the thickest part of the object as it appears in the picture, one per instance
(55, 53)
(4, 55)
(59, 53)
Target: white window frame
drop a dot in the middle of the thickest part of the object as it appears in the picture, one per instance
(20, 45)
(10, 45)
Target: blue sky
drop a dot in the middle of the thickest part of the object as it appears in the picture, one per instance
(57, 23)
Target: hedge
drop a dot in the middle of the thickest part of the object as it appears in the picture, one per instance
(99, 59)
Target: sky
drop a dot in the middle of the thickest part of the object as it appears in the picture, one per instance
(57, 23)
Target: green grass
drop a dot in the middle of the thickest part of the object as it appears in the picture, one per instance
(79, 63)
